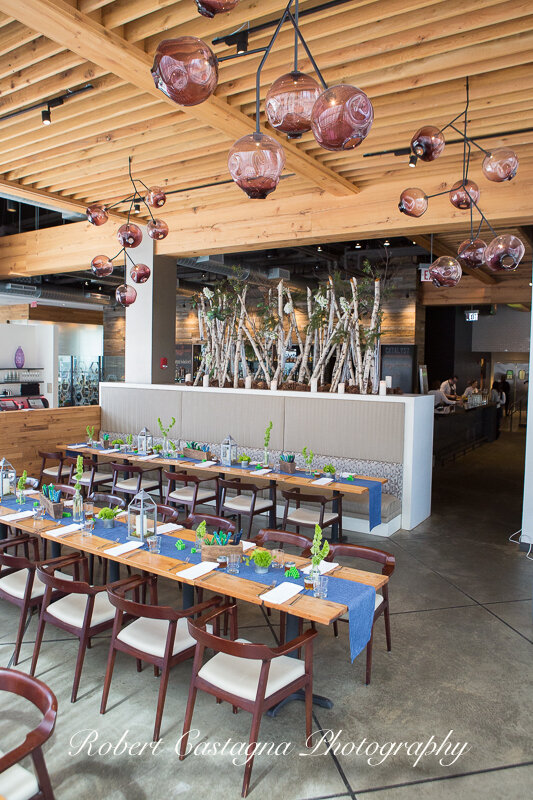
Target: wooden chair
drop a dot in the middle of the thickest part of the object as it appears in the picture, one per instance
(158, 635)
(84, 611)
(253, 677)
(135, 483)
(108, 500)
(66, 491)
(388, 562)
(14, 779)
(242, 505)
(55, 473)
(308, 518)
(190, 494)
(19, 584)
(211, 521)
(92, 477)
(167, 513)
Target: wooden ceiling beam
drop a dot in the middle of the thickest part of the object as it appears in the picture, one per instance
(79, 33)
(55, 201)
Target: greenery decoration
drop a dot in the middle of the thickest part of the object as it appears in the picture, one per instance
(21, 485)
(180, 544)
(79, 472)
(308, 457)
(165, 431)
(90, 431)
(292, 572)
(319, 548)
(268, 431)
(261, 558)
(129, 440)
(329, 469)
(157, 448)
(244, 458)
(117, 441)
(108, 513)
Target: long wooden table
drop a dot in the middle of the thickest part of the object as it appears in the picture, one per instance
(272, 479)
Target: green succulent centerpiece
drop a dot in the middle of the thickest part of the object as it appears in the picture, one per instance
(319, 550)
(262, 560)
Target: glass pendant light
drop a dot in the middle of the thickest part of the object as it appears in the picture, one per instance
(500, 165)
(157, 229)
(102, 266)
(125, 295)
(342, 117)
(255, 163)
(208, 8)
(445, 271)
(428, 143)
(472, 252)
(413, 202)
(463, 193)
(129, 235)
(186, 70)
(97, 215)
(289, 103)
(140, 273)
(504, 253)
(155, 197)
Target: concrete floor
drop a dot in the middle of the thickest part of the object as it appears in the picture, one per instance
(461, 661)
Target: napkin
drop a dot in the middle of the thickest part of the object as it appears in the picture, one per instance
(279, 594)
(323, 567)
(322, 481)
(206, 464)
(63, 531)
(78, 444)
(18, 515)
(148, 458)
(109, 450)
(68, 503)
(168, 528)
(261, 471)
(123, 548)
(247, 546)
(197, 570)
(121, 514)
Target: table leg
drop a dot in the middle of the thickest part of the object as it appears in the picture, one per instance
(3, 531)
(113, 573)
(292, 630)
(335, 509)
(55, 549)
(188, 595)
(272, 521)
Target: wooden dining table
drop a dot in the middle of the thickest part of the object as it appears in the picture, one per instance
(272, 479)
(301, 607)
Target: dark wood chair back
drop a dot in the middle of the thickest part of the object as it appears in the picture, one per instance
(387, 560)
(282, 537)
(110, 500)
(211, 521)
(66, 491)
(168, 513)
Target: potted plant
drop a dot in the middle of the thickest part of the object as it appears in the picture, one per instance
(319, 550)
(164, 432)
(129, 441)
(90, 435)
(21, 485)
(287, 463)
(116, 443)
(244, 459)
(268, 431)
(157, 448)
(77, 500)
(108, 515)
(308, 456)
(330, 471)
(262, 560)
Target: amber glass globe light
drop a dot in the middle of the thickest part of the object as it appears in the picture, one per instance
(342, 117)
(140, 273)
(289, 103)
(413, 202)
(157, 229)
(186, 70)
(472, 252)
(428, 143)
(255, 163)
(500, 165)
(102, 266)
(445, 271)
(155, 197)
(129, 235)
(97, 215)
(125, 295)
(462, 194)
(504, 253)
(208, 8)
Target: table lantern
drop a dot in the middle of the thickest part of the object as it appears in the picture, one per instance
(142, 517)
(145, 441)
(228, 452)
(8, 479)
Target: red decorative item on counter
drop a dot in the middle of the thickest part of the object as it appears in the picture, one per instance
(413, 202)
(289, 103)
(157, 229)
(342, 117)
(463, 193)
(255, 163)
(126, 295)
(140, 273)
(428, 143)
(102, 266)
(186, 70)
(445, 271)
(208, 8)
(129, 235)
(500, 165)
(504, 253)
(472, 252)
(97, 215)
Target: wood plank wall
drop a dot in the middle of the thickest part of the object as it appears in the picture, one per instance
(24, 433)
(43, 313)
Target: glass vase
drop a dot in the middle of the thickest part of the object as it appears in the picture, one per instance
(21, 497)
(265, 457)
(166, 448)
(77, 507)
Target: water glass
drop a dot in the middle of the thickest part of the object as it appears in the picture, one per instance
(234, 563)
(87, 527)
(88, 511)
(321, 586)
(278, 558)
(154, 544)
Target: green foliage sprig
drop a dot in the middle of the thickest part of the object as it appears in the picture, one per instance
(117, 441)
(268, 431)
(21, 485)
(165, 431)
(129, 440)
(329, 469)
(79, 472)
(319, 548)
(308, 456)
(157, 448)
(108, 513)
(90, 431)
(261, 558)
(244, 458)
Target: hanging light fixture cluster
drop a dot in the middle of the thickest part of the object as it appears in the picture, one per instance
(186, 70)
(129, 236)
(504, 252)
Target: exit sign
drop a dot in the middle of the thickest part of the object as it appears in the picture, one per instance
(472, 316)
(425, 277)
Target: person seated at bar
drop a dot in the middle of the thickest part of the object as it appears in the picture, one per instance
(440, 397)
(449, 387)
(471, 388)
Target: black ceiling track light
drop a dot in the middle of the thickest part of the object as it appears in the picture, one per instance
(48, 105)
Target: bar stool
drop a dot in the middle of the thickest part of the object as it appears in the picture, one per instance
(52, 474)
(190, 494)
(308, 518)
(136, 483)
(91, 478)
(242, 505)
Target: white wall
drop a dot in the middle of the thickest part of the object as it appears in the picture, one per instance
(39, 343)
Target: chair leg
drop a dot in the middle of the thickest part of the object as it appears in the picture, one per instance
(20, 632)
(42, 775)
(187, 721)
(254, 734)
(250, 527)
(37, 646)
(161, 700)
(336, 629)
(282, 626)
(79, 666)
(108, 675)
(139, 665)
(387, 628)
(308, 713)
(369, 657)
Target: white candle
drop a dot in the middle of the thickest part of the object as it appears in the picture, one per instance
(205, 380)
(188, 378)
(248, 382)
(140, 526)
(5, 486)
(382, 387)
(388, 381)
(314, 384)
(273, 386)
(340, 388)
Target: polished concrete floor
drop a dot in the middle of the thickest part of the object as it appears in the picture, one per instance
(462, 661)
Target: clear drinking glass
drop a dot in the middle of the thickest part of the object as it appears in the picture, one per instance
(278, 557)
(154, 544)
(234, 563)
(321, 586)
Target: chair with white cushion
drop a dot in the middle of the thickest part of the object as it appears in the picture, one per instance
(19, 584)
(309, 517)
(388, 562)
(84, 610)
(55, 473)
(187, 490)
(16, 782)
(158, 635)
(253, 677)
(135, 482)
(92, 477)
(243, 505)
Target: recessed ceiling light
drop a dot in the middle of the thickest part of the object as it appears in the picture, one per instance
(319, 249)
(358, 246)
(386, 243)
